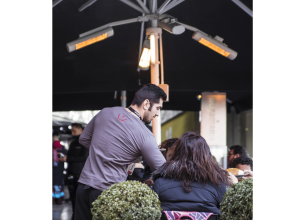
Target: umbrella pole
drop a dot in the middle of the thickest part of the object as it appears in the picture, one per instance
(154, 74)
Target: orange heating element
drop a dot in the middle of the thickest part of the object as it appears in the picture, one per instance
(214, 47)
(90, 41)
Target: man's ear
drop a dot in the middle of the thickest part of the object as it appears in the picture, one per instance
(236, 155)
(146, 104)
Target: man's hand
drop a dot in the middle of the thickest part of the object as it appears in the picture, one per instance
(149, 182)
(232, 178)
(250, 175)
(63, 159)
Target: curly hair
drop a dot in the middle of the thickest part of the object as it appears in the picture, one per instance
(243, 161)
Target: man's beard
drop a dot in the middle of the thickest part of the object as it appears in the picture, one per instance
(230, 163)
(146, 118)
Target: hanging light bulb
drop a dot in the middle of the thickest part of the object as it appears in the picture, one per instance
(152, 48)
(145, 56)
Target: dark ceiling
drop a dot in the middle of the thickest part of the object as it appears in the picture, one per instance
(86, 79)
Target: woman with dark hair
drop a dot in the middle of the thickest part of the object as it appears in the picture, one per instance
(191, 180)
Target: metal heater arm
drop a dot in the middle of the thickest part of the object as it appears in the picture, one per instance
(116, 23)
(191, 28)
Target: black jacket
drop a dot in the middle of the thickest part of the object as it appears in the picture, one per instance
(173, 197)
(76, 157)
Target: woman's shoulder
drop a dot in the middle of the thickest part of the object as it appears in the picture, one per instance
(162, 184)
(162, 181)
(209, 186)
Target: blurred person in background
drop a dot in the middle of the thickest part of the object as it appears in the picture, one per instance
(245, 164)
(250, 174)
(58, 168)
(76, 158)
(236, 151)
(191, 180)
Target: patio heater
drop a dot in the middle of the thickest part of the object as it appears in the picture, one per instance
(150, 49)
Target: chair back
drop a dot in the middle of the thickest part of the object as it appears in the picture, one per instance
(177, 215)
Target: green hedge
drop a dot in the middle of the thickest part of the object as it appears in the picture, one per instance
(237, 203)
(127, 200)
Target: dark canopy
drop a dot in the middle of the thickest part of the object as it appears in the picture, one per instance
(86, 79)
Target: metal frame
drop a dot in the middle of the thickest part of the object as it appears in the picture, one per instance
(133, 5)
(153, 14)
(160, 9)
(191, 28)
(86, 5)
(143, 5)
(172, 4)
(243, 7)
(56, 2)
(141, 37)
(116, 23)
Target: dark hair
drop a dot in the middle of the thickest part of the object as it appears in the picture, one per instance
(243, 161)
(192, 161)
(77, 125)
(239, 150)
(167, 144)
(151, 92)
(55, 133)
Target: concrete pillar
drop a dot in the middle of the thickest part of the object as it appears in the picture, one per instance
(123, 98)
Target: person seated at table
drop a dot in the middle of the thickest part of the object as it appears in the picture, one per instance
(191, 180)
(245, 164)
(166, 145)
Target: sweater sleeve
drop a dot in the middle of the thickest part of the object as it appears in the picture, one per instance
(152, 154)
(86, 136)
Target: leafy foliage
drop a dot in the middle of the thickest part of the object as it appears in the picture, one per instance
(237, 203)
(127, 200)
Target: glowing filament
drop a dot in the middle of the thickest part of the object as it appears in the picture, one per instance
(145, 58)
(152, 49)
(214, 47)
(91, 41)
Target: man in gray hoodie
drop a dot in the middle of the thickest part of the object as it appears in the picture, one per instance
(115, 137)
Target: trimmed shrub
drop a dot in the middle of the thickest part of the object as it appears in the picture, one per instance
(237, 203)
(127, 200)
